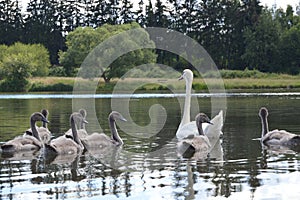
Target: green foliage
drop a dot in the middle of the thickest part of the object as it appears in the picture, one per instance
(152, 72)
(58, 87)
(83, 40)
(261, 42)
(79, 42)
(290, 50)
(236, 34)
(229, 74)
(19, 62)
(57, 71)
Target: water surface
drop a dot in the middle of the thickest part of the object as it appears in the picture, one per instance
(150, 168)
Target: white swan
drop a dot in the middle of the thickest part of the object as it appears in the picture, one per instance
(198, 144)
(187, 127)
(276, 137)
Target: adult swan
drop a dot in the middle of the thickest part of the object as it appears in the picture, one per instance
(187, 127)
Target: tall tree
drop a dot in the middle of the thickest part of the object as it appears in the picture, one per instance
(98, 13)
(261, 41)
(161, 20)
(126, 14)
(11, 21)
(140, 14)
(41, 26)
(210, 28)
(113, 12)
(289, 47)
(150, 17)
(175, 16)
(188, 12)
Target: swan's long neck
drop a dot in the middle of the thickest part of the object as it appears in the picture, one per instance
(35, 133)
(187, 102)
(264, 126)
(114, 132)
(74, 132)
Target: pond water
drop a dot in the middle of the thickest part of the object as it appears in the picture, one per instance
(150, 167)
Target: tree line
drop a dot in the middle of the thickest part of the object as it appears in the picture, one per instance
(238, 34)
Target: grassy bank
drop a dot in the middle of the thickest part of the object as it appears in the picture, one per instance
(264, 82)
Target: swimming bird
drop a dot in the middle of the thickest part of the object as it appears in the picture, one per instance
(84, 114)
(196, 143)
(26, 142)
(187, 127)
(43, 131)
(276, 137)
(100, 140)
(81, 124)
(65, 144)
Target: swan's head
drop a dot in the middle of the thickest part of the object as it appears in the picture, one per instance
(263, 112)
(202, 118)
(37, 116)
(187, 75)
(83, 112)
(114, 115)
(45, 112)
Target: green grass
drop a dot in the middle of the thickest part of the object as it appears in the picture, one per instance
(247, 79)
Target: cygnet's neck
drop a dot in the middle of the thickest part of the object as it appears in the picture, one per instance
(199, 127)
(264, 125)
(33, 129)
(114, 132)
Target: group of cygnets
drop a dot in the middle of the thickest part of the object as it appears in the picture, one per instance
(74, 141)
(193, 136)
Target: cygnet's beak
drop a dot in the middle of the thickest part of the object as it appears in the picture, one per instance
(45, 120)
(84, 121)
(123, 119)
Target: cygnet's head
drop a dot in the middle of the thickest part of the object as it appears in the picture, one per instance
(114, 115)
(45, 112)
(37, 116)
(263, 112)
(83, 112)
(202, 118)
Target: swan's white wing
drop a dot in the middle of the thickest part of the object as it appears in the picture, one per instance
(186, 130)
(191, 129)
(214, 130)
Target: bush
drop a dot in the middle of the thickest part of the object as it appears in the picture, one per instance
(58, 87)
(13, 85)
(19, 62)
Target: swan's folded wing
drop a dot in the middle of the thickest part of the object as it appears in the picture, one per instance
(186, 130)
(214, 130)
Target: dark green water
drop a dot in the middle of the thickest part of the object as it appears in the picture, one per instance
(149, 167)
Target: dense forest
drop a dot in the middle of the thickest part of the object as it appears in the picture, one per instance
(238, 34)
